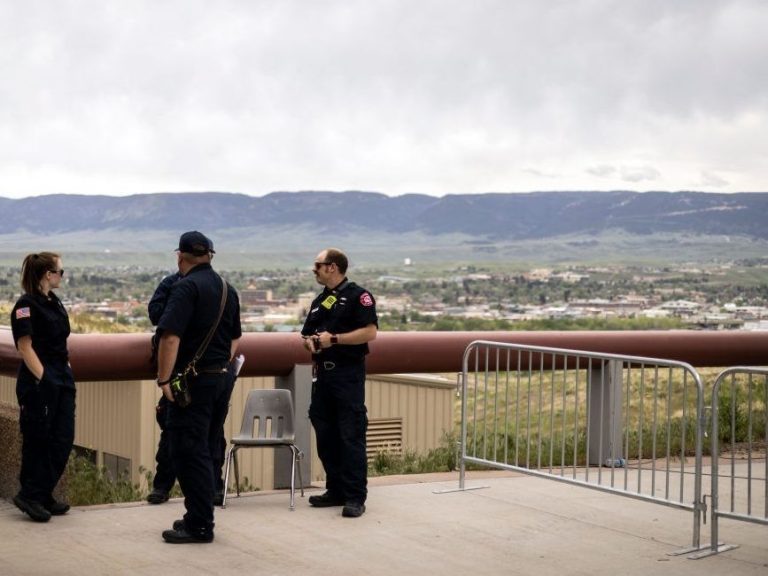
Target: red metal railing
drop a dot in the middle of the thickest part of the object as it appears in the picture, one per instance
(126, 356)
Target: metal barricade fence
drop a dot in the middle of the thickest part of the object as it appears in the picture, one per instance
(739, 437)
(627, 425)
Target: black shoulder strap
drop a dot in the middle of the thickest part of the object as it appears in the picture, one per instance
(204, 343)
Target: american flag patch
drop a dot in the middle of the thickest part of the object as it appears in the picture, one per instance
(22, 313)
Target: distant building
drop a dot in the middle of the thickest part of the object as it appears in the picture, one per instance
(540, 274)
(681, 307)
(758, 325)
(253, 296)
(571, 277)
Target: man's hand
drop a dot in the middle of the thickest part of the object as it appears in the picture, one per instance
(324, 340)
(311, 343)
(166, 388)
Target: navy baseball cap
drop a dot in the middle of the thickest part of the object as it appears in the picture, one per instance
(196, 243)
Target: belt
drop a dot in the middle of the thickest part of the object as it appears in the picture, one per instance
(211, 369)
(328, 365)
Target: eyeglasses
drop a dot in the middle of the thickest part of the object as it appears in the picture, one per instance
(59, 272)
(318, 264)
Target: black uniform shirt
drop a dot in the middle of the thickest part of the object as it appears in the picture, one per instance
(343, 309)
(160, 297)
(193, 307)
(46, 321)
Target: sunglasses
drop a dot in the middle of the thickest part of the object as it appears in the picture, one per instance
(318, 264)
(59, 272)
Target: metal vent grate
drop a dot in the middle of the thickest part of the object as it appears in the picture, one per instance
(384, 435)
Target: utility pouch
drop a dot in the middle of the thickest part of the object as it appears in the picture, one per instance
(180, 389)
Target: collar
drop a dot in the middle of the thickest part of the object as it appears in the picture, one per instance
(199, 268)
(339, 287)
(44, 298)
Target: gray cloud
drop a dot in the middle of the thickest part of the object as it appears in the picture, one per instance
(602, 171)
(434, 97)
(711, 180)
(639, 173)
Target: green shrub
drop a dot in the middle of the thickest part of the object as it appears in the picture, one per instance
(440, 459)
(89, 484)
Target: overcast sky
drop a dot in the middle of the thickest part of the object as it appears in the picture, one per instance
(395, 96)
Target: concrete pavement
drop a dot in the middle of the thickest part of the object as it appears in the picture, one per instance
(518, 525)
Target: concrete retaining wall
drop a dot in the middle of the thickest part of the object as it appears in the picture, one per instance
(10, 449)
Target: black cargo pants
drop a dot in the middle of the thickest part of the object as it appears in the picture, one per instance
(340, 419)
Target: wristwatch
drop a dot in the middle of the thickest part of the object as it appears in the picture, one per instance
(334, 339)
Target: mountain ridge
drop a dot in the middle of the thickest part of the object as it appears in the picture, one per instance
(491, 216)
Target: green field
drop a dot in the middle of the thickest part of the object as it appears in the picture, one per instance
(282, 248)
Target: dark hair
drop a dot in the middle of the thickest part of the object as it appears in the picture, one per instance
(34, 268)
(336, 256)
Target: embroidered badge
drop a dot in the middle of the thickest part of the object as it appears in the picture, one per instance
(22, 313)
(365, 299)
(328, 302)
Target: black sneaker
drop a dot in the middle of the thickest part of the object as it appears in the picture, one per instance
(218, 499)
(157, 496)
(56, 508)
(353, 509)
(35, 510)
(184, 537)
(325, 500)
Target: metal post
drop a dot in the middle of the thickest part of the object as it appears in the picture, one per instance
(299, 382)
(605, 416)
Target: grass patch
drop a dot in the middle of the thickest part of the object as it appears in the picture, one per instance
(540, 420)
(88, 484)
(440, 459)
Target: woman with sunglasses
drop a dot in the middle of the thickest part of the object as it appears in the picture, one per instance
(45, 387)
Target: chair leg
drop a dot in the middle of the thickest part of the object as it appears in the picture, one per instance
(299, 458)
(237, 472)
(293, 477)
(296, 456)
(228, 463)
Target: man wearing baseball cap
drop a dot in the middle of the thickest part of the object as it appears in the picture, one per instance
(190, 344)
(195, 243)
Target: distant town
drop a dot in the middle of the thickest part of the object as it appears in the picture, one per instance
(721, 296)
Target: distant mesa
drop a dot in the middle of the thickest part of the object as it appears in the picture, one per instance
(495, 226)
(529, 215)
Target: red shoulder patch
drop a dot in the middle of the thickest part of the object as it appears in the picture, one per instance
(365, 299)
